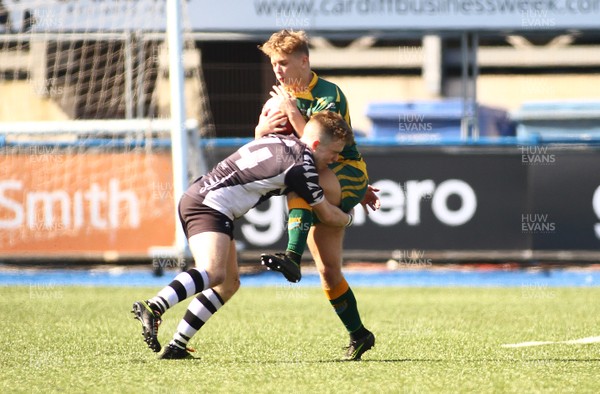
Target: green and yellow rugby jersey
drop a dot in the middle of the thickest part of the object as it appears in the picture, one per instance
(324, 95)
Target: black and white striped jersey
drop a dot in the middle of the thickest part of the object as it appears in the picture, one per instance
(269, 166)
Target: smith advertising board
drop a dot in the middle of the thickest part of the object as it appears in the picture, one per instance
(53, 202)
(311, 15)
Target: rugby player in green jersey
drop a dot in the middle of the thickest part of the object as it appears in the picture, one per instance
(303, 93)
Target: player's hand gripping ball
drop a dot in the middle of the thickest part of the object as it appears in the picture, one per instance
(272, 106)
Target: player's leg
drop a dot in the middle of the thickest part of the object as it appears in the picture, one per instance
(231, 285)
(300, 220)
(209, 234)
(328, 258)
(299, 223)
(325, 244)
(203, 307)
(207, 250)
(300, 216)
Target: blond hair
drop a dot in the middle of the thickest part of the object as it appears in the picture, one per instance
(333, 127)
(286, 41)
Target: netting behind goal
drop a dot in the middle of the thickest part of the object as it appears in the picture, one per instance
(84, 137)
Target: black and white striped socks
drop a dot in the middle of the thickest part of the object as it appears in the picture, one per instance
(200, 310)
(185, 285)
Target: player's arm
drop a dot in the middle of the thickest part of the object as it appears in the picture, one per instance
(331, 215)
(289, 108)
(304, 181)
(328, 213)
(269, 123)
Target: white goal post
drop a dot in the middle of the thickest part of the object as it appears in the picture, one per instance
(179, 140)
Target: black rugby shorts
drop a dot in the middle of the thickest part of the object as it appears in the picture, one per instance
(197, 218)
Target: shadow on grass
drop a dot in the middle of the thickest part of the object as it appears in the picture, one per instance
(375, 361)
(426, 360)
(558, 360)
(155, 358)
(291, 362)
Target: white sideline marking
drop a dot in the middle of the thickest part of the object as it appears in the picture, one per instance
(582, 341)
(539, 343)
(525, 344)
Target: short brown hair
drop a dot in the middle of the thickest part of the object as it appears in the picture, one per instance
(286, 41)
(334, 126)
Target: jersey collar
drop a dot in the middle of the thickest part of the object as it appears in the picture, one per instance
(307, 95)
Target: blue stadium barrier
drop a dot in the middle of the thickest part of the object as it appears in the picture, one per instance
(529, 139)
(434, 119)
(559, 120)
(223, 142)
(446, 141)
(92, 143)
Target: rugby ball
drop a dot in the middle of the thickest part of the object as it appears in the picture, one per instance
(272, 106)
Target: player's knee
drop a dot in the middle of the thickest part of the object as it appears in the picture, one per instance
(232, 288)
(331, 275)
(229, 288)
(216, 277)
(236, 285)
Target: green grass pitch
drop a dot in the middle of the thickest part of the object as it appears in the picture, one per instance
(287, 340)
